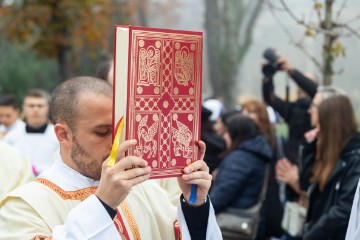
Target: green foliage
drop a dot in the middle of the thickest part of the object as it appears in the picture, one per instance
(21, 70)
(282, 129)
(55, 29)
(50, 27)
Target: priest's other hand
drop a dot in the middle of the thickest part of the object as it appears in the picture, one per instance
(196, 173)
(116, 181)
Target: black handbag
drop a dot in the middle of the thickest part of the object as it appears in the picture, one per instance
(239, 223)
(242, 224)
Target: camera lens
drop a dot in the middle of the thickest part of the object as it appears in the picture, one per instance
(272, 66)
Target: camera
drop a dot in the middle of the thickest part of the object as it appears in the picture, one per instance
(272, 66)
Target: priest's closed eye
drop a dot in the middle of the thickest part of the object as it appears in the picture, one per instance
(103, 133)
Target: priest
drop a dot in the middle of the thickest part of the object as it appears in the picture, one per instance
(81, 197)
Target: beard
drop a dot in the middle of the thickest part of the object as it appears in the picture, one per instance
(87, 165)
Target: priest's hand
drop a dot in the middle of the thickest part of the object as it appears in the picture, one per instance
(196, 173)
(116, 181)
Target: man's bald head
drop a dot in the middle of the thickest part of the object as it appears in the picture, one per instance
(64, 101)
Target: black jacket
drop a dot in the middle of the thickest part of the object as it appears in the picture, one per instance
(329, 211)
(294, 113)
(215, 145)
(241, 175)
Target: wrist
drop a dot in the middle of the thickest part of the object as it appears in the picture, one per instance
(106, 200)
(111, 211)
(198, 202)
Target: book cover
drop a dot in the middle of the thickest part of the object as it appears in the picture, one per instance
(157, 91)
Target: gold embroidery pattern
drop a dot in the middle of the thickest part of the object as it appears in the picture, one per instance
(119, 225)
(81, 194)
(184, 66)
(165, 136)
(177, 230)
(146, 134)
(130, 219)
(41, 238)
(167, 80)
(182, 137)
(149, 66)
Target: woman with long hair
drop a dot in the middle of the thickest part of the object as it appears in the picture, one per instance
(257, 111)
(241, 173)
(334, 155)
(272, 210)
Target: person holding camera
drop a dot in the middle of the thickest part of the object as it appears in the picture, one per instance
(293, 112)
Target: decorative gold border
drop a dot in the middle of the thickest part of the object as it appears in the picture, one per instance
(130, 219)
(81, 194)
(177, 230)
(187, 37)
(41, 238)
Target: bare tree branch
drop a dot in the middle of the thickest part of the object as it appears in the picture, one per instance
(352, 31)
(272, 6)
(312, 58)
(303, 23)
(248, 31)
(299, 45)
(342, 7)
(353, 19)
(318, 12)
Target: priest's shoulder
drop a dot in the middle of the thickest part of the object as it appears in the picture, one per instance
(30, 192)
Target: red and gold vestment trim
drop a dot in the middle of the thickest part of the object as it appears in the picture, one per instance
(81, 194)
(41, 238)
(84, 193)
(177, 230)
(130, 219)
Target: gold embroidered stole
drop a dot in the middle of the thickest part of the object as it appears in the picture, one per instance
(84, 193)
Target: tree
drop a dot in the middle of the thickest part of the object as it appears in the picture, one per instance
(229, 25)
(54, 28)
(21, 71)
(328, 23)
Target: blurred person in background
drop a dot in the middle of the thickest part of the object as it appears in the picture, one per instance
(82, 197)
(15, 169)
(272, 210)
(293, 112)
(9, 115)
(36, 140)
(329, 165)
(105, 71)
(257, 111)
(241, 173)
(215, 106)
(215, 145)
(218, 111)
(288, 172)
(335, 171)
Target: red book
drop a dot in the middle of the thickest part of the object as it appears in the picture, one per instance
(157, 89)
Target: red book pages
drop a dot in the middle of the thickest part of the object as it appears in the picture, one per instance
(157, 89)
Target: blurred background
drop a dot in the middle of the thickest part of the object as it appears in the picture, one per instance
(44, 42)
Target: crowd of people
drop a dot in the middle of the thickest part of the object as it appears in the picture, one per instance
(55, 181)
(315, 167)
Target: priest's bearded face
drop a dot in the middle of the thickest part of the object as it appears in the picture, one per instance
(91, 140)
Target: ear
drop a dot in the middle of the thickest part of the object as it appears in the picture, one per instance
(63, 134)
